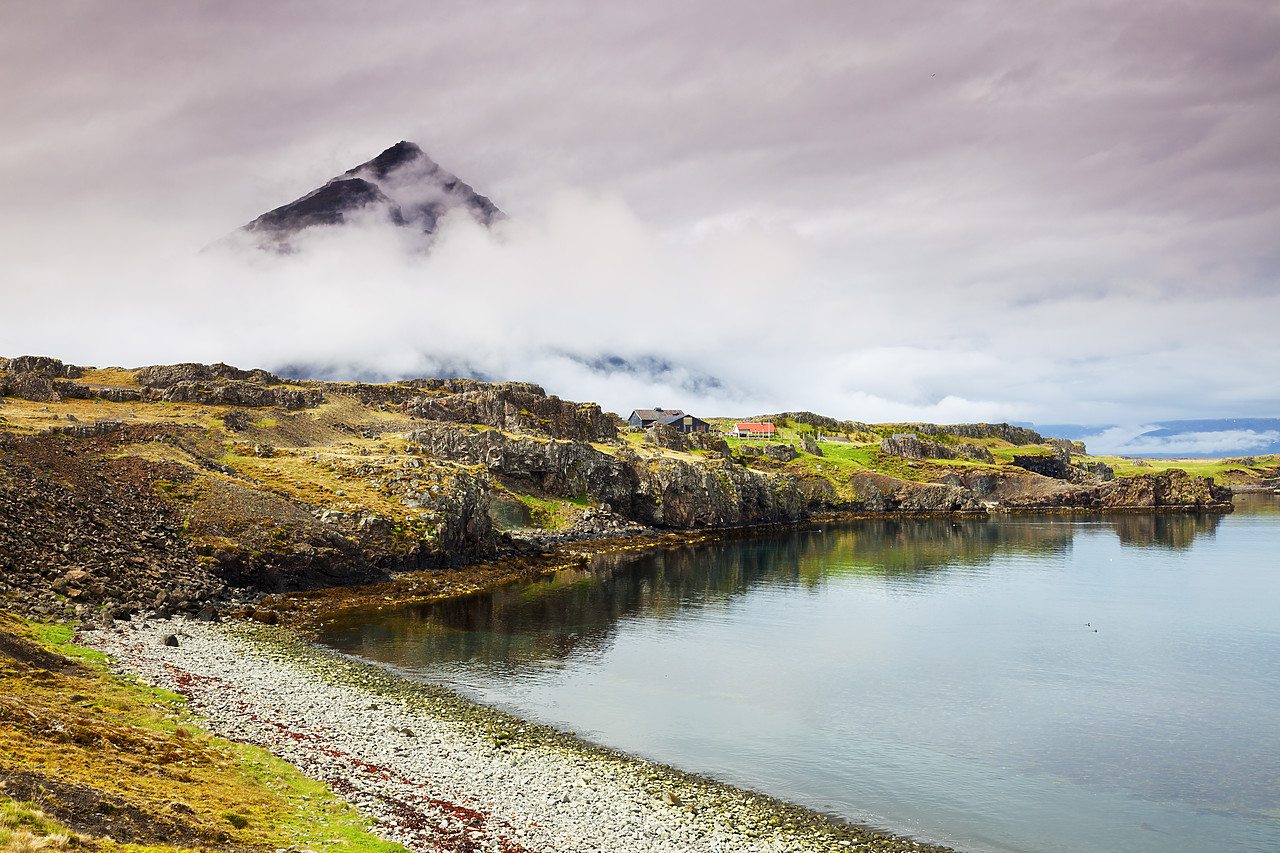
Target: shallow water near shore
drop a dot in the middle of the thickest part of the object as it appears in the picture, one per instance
(1030, 684)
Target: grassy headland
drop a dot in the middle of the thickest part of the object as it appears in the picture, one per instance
(95, 761)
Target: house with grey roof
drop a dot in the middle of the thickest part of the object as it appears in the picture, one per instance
(685, 423)
(645, 418)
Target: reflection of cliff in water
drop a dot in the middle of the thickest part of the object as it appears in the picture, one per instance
(572, 612)
(576, 611)
(1169, 531)
(917, 550)
(1257, 503)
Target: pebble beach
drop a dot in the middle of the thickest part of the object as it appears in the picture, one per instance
(436, 772)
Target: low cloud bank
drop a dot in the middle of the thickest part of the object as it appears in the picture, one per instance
(594, 303)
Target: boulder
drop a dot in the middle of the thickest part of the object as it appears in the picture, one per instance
(779, 452)
(711, 443)
(667, 437)
(1056, 465)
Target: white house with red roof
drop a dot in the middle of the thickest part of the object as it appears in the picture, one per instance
(755, 430)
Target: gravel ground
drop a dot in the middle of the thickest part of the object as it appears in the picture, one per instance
(438, 773)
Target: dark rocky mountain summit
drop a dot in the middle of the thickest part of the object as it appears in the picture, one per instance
(401, 186)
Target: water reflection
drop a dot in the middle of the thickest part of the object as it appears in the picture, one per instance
(575, 612)
(1032, 683)
(1173, 531)
(1257, 503)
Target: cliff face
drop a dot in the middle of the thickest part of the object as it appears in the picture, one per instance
(1166, 489)
(651, 490)
(910, 447)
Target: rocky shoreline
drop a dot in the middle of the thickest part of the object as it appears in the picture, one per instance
(184, 488)
(436, 772)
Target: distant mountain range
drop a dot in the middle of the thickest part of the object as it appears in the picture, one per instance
(401, 186)
(1226, 437)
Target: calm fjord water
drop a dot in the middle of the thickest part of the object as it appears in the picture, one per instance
(1034, 684)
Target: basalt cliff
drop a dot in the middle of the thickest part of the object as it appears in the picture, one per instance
(179, 487)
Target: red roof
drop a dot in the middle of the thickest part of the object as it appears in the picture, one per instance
(755, 427)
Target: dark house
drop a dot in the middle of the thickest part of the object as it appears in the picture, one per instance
(645, 418)
(685, 423)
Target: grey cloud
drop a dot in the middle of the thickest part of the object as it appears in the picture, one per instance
(984, 210)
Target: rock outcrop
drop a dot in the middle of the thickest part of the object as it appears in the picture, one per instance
(1004, 432)
(33, 378)
(1058, 466)
(517, 407)
(29, 386)
(884, 493)
(1055, 465)
(830, 425)
(223, 385)
(40, 365)
(1166, 489)
(659, 492)
(230, 392)
(711, 443)
(911, 447)
(169, 375)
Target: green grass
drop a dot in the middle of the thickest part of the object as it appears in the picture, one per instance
(552, 513)
(140, 747)
(57, 637)
(24, 828)
(1216, 468)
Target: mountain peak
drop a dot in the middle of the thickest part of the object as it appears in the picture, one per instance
(401, 186)
(393, 158)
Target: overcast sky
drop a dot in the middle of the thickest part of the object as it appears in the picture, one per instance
(1057, 212)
